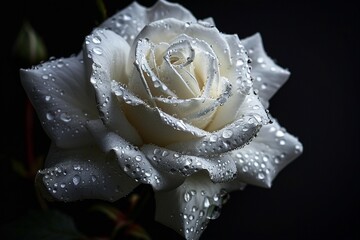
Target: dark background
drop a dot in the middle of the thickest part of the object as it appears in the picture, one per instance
(315, 197)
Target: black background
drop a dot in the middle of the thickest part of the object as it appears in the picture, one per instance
(315, 197)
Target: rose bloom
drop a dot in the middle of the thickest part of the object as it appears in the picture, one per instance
(161, 98)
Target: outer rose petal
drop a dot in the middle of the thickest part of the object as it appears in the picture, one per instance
(107, 60)
(82, 173)
(159, 128)
(63, 100)
(132, 160)
(250, 117)
(129, 22)
(259, 162)
(188, 208)
(219, 168)
(268, 77)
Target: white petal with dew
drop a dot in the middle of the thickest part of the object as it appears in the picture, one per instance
(219, 168)
(131, 20)
(189, 208)
(132, 160)
(259, 162)
(63, 99)
(82, 173)
(107, 58)
(268, 76)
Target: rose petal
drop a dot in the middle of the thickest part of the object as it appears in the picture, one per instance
(144, 82)
(184, 165)
(132, 161)
(196, 111)
(129, 21)
(165, 127)
(82, 173)
(238, 74)
(169, 29)
(229, 138)
(189, 208)
(108, 55)
(62, 98)
(259, 162)
(268, 76)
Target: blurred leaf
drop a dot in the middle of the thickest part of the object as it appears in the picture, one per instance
(102, 9)
(29, 46)
(138, 232)
(44, 225)
(19, 167)
(111, 212)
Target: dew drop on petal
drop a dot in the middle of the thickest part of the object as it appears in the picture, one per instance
(50, 116)
(227, 134)
(76, 179)
(213, 138)
(65, 117)
(282, 142)
(138, 158)
(93, 178)
(96, 39)
(279, 133)
(187, 197)
(206, 202)
(97, 50)
(260, 176)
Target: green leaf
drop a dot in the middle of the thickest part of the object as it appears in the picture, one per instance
(44, 225)
(29, 46)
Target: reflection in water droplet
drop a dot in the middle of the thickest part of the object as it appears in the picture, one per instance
(206, 202)
(213, 212)
(187, 197)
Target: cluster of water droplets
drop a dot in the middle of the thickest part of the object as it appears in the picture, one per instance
(67, 181)
(48, 91)
(200, 207)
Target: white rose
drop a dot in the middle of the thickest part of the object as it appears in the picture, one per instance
(160, 98)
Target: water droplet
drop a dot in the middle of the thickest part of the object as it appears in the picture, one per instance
(62, 185)
(201, 213)
(47, 98)
(239, 62)
(50, 116)
(260, 176)
(45, 77)
(206, 202)
(279, 133)
(96, 39)
(213, 212)
(213, 138)
(227, 133)
(282, 142)
(263, 86)
(260, 60)
(76, 179)
(138, 158)
(97, 50)
(93, 178)
(187, 197)
(65, 117)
